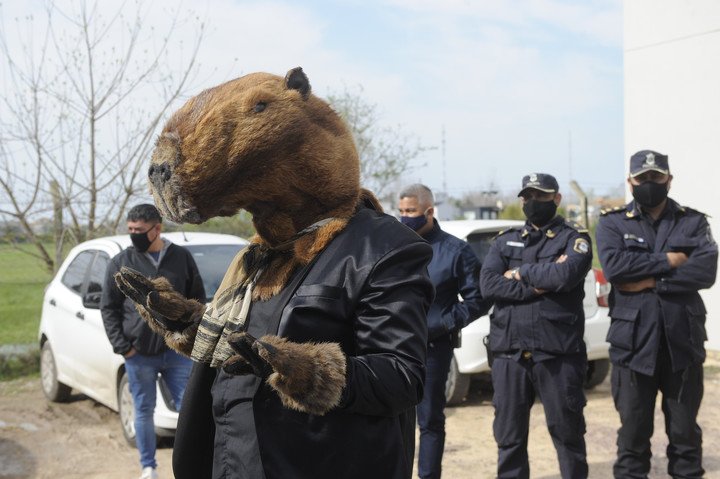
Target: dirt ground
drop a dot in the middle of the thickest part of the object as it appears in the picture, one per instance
(82, 439)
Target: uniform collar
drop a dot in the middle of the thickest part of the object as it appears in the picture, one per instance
(634, 210)
(434, 232)
(550, 230)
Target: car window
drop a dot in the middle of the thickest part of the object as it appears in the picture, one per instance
(212, 261)
(480, 243)
(97, 272)
(74, 276)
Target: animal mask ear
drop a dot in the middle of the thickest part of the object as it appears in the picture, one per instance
(297, 80)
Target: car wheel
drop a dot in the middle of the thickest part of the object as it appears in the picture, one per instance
(457, 385)
(597, 372)
(54, 390)
(126, 410)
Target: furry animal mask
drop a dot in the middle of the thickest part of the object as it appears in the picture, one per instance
(262, 143)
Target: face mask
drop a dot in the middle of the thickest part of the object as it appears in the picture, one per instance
(140, 241)
(650, 194)
(539, 213)
(414, 222)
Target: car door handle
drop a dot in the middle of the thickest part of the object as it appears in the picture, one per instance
(53, 303)
(80, 315)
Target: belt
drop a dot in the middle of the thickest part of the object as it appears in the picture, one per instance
(512, 354)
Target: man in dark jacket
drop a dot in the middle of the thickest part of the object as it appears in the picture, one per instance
(145, 352)
(535, 274)
(657, 255)
(454, 270)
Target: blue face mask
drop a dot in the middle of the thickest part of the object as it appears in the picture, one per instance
(414, 222)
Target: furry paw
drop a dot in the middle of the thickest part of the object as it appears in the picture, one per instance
(308, 377)
(167, 312)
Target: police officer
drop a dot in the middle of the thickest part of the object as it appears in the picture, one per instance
(535, 274)
(657, 255)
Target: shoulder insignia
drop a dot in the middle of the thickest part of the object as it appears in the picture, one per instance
(506, 230)
(550, 233)
(576, 226)
(616, 209)
(581, 246)
(687, 210)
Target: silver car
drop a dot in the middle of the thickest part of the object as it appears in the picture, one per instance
(471, 358)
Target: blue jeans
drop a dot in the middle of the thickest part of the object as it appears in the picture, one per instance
(142, 374)
(431, 410)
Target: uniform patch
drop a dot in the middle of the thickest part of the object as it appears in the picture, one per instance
(517, 244)
(581, 246)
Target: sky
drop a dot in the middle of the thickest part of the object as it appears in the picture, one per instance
(517, 86)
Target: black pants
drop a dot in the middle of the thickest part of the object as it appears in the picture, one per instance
(558, 383)
(634, 395)
(431, 410)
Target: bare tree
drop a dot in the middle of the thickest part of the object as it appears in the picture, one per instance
(84, 95)
(386, 152)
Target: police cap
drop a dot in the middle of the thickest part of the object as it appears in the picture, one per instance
(539, 181)
(648, 160)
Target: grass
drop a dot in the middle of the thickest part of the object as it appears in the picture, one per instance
(22, 283)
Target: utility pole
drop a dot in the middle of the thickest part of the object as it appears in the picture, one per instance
(442, 146)
(570, 154)
(583, 202)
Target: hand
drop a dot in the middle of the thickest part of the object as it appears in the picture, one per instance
(539, 291)
(160, 305)
(248, 359)
(130, 353)
(308, 377)
(637, 286)
(561, 259)
(513, 274)
(676, 259)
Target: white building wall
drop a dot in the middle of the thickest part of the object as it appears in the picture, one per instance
(672, 104)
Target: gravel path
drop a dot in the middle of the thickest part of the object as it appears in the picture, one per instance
(82, 439)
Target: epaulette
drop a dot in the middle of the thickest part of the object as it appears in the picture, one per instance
(687, 210)
(576, 226)
(616, 209)
(506, 230)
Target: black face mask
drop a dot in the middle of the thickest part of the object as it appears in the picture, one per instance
(539, 213)
(650, 194)
(140, 241)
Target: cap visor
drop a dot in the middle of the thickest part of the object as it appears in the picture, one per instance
(544, 190)
(645, 170)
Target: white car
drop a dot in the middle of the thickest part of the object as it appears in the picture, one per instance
(75, 351)
(471, 357)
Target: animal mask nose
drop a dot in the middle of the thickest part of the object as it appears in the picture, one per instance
(159, 174)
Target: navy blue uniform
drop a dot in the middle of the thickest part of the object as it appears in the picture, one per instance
(536, 335)
(454, 270)
(657, 335)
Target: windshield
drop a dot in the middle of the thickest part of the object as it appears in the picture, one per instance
(212, 261)
(480, 243)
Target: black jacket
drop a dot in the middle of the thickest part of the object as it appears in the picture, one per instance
(630, 250)
(369, 291)
(552, 322)
(123, 324)
(454, 270)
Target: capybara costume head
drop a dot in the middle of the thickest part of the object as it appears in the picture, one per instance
(262, 143)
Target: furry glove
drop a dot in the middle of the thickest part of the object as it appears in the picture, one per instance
(308, 377)
(166, 311)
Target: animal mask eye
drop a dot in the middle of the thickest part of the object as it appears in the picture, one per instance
(259, 106)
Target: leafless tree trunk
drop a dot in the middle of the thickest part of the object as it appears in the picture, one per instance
(83, 101)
